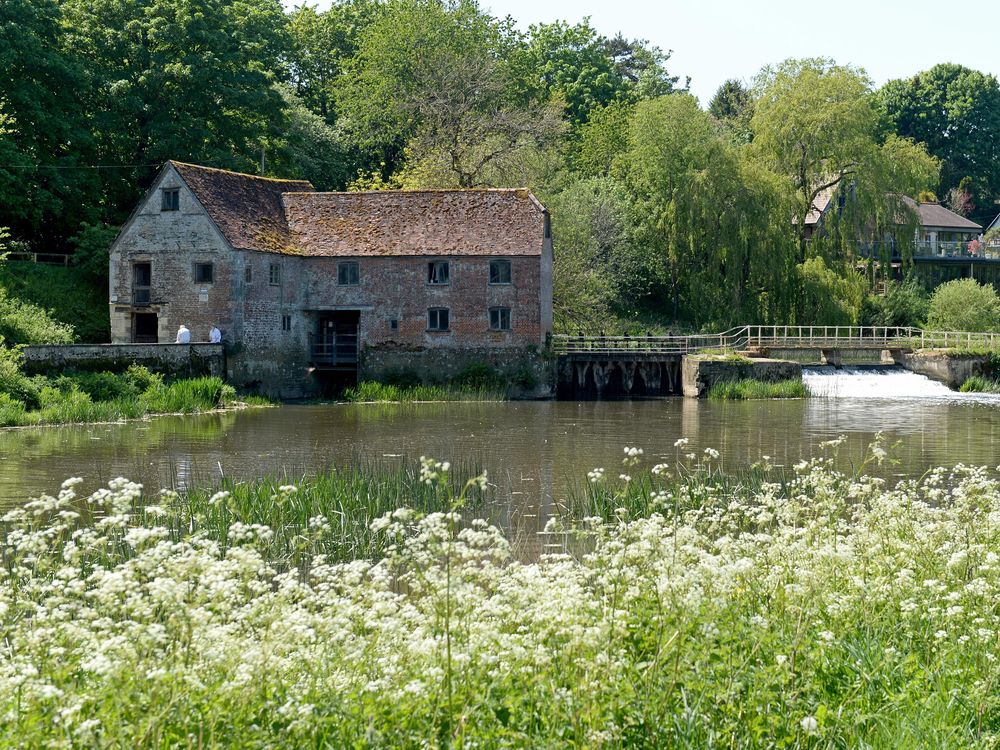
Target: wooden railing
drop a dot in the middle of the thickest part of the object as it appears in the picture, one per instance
(777, 337)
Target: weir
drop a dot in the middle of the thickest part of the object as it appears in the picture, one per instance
(876, 382)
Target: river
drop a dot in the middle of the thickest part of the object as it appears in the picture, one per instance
(534, 451)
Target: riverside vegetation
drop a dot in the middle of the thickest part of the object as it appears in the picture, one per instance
(102, 396)
(803, 609)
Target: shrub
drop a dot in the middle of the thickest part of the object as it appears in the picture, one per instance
(979, 384)
(26, 323)
(964, 305)
(903, 304)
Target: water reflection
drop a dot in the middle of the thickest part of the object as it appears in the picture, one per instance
(534, 451)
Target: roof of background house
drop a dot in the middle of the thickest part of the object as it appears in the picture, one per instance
(290, 217)
(819, 206)
(936, 215)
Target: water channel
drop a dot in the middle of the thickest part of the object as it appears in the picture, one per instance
(535, 452)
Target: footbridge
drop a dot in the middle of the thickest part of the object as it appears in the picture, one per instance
(629, 366)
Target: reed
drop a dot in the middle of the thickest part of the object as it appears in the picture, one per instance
(749, 389)
(368, 391)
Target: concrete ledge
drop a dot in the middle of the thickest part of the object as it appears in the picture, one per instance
(950, 369)
(186, 359)
(699, 374)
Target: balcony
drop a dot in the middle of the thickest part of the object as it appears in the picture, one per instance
(943, 249)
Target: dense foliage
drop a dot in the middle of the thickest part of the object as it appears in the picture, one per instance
(819, 611)
(663, 213)
(964, 305)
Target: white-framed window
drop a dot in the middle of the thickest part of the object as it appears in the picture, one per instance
(348, 273)
(500, 272)
(438, 272)
(499, 318)
(170, 199)
(437, 319)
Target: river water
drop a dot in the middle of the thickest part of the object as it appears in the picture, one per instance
(534, 451)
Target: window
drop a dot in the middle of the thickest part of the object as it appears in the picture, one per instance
(141, 283)
(204, 273)
(286, 322)
(394, 325)
(248, 274)
(275, 274)
(437, 272)
(437, 319)
(348, 273)
(171, 199)
(548, 228)
(499, 318)
(499, 271)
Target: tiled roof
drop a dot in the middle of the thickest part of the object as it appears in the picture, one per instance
(246, 209)
(425, 222)
(819, 206)
(287, 216)
(936, 215)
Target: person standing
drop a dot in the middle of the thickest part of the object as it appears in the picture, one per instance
(183, 334)
(215, 335)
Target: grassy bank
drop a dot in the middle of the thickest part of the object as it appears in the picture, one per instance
(369, 391)
(821, 611)
(741, 390)
(978, 384)
(105, 396)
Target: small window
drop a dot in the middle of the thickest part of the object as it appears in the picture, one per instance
(204, 273)
(437, 272)
(437, 319)
(141, 283)
(348, 273)
(499, 271)
(548, 228)
(171, 199)
(248, 274)
(275, 274)
(286, 322)
(499, 318)
(394, 325)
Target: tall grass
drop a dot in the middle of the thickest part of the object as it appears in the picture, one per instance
(743, 390)
(374, 392)
(979, 384)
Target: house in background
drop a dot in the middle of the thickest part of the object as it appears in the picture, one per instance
(946, 245)
(994, 243)
(313, 287)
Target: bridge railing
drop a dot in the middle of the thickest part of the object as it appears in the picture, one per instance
(777, 337)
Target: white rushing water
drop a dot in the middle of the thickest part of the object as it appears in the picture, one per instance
(875, 382)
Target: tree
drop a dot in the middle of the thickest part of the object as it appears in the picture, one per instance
(714, 218)
(955, 111)
(603, 139)
(178, 79)
(732, 106)
(964, 305)
(44, 137)
(815, 123)
(433, 77)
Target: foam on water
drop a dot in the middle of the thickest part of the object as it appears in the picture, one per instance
(892, 383)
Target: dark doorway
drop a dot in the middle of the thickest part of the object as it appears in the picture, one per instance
(144, 328)
(336, 341)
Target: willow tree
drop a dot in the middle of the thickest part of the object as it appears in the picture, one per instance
(714, 216)
(816, 124)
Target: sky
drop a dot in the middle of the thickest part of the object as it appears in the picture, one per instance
(713, 40)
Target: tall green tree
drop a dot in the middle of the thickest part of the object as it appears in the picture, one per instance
(715, 218)
(45, 140)
(732, 106)
(955, 111)
(178, 79)
(816, 124)
(435, 78)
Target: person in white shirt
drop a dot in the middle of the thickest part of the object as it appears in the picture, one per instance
(215, 335)
(183, 334)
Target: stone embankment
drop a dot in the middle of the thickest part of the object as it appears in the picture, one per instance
(173, 359)
(699, 374)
